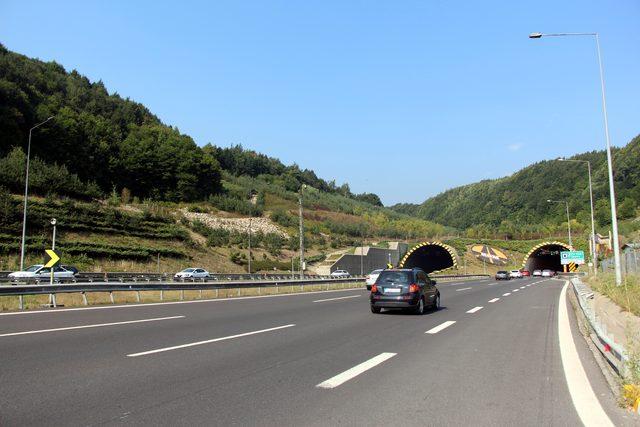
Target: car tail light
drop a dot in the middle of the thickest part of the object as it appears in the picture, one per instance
(414, 288)
(374, 289)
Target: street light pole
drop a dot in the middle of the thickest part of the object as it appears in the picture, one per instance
(594, 253)
(53, 246)
(612, 195)
(301, 232)
(26, 193)
(568, 219)
(250, 219)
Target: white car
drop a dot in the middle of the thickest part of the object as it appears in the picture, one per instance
(548, 273)
(537, 273)
(372, 277)
(340, 273)
(515, 274)
(192, 273)
(40, 272)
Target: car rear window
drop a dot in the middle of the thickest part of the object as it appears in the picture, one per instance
(399, 277)
(502, 272)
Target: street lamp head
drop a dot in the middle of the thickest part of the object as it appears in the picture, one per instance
(53, 221)
(548, 201)
(561, 159)
(535, 35)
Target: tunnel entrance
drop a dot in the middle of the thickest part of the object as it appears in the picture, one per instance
(545, 256)
(430, 256)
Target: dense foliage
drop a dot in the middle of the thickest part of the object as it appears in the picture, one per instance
(518, 203)
(99, 142)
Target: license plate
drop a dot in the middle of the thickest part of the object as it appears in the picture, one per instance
(392, 290)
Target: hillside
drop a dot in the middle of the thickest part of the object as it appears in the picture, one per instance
(516, 205)
(128, 190)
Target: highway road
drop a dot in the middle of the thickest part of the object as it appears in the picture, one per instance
(495, 354)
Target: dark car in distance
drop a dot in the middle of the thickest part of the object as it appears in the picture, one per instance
(503, 275)
(405, 288)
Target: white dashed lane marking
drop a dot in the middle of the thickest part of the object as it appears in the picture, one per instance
(355, 371)
(474, 309)
(462, 289)
(507, 294)
(440, 327)
(494, 300)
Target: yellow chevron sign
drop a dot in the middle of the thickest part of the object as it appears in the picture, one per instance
(53, 258)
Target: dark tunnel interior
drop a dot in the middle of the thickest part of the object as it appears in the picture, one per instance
(545, 257)
(430, 258)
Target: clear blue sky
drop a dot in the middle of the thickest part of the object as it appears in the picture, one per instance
(401, 98)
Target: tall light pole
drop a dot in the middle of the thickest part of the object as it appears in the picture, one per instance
(612, 195)
(26, 193)
(568, 219)
(250, 219)
(53, 246)
(301, 232)
(594, 254)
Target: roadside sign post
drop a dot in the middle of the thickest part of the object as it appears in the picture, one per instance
(569, 258)
(51, 261)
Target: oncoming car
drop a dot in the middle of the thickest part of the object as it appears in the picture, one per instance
(40, 272)
(340, 273)
(503, 275)
(192, 273)
(404, 288)
(515, 274)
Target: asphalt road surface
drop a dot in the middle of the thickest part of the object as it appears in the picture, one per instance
(493, 355)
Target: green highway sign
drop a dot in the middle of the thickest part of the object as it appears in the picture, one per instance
(568, 257)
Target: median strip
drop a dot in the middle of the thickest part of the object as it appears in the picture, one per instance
(355, 371)
(193, 344)
(440, 327)
(98, 325)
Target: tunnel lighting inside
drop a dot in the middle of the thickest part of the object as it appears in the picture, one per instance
(545, 256)
(430, 257)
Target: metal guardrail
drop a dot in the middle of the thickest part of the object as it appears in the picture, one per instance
(156, 277)
(147, 284)
(614, 353)
(110, 287)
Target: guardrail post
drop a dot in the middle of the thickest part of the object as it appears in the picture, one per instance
(111, 297)
(277, 288)
(200, 292)
(161, 295)
(84, 298)
(138, 296)
(53, 300)
(238, 290)
(301, 287)
(181, 294)
(20, 302)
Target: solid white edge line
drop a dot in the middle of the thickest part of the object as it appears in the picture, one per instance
(463, 289)
(440, 327)
(193, 344)
(335, 299)
(474, 310)
(355, 371)
(584, 399)
(494, 300)
(152, 304)
(98, 325)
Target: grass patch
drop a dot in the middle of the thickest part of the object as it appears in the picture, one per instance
(626, 296)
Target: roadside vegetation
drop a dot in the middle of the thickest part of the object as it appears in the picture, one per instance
(626, 296)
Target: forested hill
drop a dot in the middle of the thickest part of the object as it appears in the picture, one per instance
(520, 202)
(99, 143)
